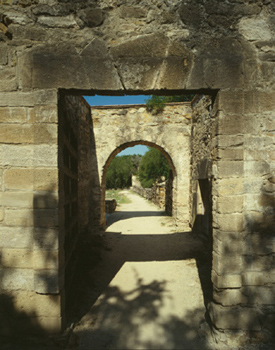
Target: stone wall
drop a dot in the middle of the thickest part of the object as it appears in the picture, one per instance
(243, 214)
(202, 137)
(168, 131)
(117, 47)
(156, 194)
(75, 176)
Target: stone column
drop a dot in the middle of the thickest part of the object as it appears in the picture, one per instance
(29, 236)
(243, 212)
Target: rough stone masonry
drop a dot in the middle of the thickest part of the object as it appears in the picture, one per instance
(51, 49)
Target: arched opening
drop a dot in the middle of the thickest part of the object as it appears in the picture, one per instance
(169, 193)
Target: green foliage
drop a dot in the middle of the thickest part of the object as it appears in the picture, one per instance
(152, 166)
(120, 171)
(155, 104)
(118, 196)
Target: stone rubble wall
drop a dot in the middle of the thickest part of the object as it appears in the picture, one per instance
(156, 194)
(203, 134)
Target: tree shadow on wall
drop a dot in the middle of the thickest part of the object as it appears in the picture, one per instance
(254, 310)
(21, 286)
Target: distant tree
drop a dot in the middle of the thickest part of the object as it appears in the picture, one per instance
(155, 104)
(120, 171)
(152, 166)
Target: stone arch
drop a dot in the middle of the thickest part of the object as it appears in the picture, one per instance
(117, 151)
(116, 127)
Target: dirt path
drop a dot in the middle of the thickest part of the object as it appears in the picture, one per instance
(147, 287)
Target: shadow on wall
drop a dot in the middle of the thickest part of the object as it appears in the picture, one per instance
(252, 251)
(29, 282)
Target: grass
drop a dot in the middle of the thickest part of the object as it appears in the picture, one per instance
(118, 196)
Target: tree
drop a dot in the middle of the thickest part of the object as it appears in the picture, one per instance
(155, 104)
(120, 171)
(152, 166)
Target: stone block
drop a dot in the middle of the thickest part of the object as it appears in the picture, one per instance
(28, 99)
(252, 202)
(45, 156)
(229, 297)
(45, 218)
(229, 102)
(47, 281)
(17, 199)
(17, 155)
(227, 280)
(230, 169)
(16, 279)
(227, 243)
(256, 168)
(17, 258)
(9, 81)
(45, 179)
(16, 237)
(45, 238)
(257, 278)
(45, 200)
(231, 154)
(32, 303)
(50, 324)
(43, 114)
(45, 133)
(230, 204)
(259, 295)
(252, 185)
(1, 215)
(18, 179)
(228, 187)
(230, 263)
(229, 222)
(235, 317)
(19, 217)
(237, 124)
(45, 259)
(12, 115)
(225, 141)
(259, 263)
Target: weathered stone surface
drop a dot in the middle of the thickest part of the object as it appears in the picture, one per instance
(17, 258)
(226, 280)
(229, 263)
(255, 29)
(18, 179)
(20, 99)
(234, 317)
(47, 281)
(33, 303)
(91, 18)
(16, 237)
(17, 279)
(12, 115)
(45, 259)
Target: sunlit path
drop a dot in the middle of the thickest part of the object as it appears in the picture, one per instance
(151, 294)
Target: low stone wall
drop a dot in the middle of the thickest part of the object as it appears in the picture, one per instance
(156, 194)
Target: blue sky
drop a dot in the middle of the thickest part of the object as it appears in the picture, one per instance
(98, 100)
